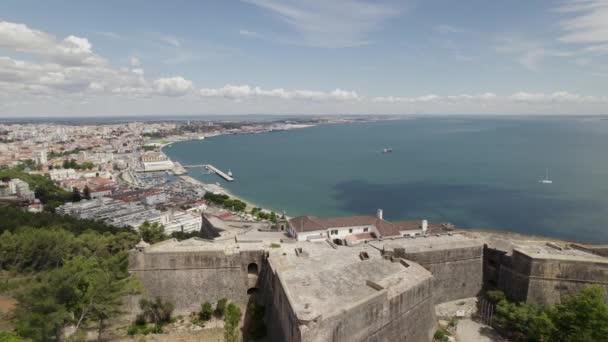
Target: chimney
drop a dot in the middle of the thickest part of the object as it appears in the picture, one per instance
(379, 214)
(425, 226)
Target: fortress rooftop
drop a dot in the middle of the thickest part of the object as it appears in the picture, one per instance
(321, 280)
(427, 243)
(551, 250)
(201, 245)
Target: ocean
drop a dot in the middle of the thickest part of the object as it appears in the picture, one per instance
(472, 172)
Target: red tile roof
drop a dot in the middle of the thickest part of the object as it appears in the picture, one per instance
(313, 223)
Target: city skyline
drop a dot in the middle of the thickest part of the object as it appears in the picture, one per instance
(268, 57)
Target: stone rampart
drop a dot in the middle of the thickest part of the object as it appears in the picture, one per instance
(457, 272)
(190, 278)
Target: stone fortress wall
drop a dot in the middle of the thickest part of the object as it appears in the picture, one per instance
(190, 277)
(393, 309)
(541, 278)
(388, 302)
(454, 262)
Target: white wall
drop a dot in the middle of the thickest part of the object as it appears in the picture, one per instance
(304, 235)
(343, 232)
(346, 231)
(411, 232)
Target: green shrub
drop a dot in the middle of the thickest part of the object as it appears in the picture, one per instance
(144, 329)
(220, 307)
(156, 312)
(8, 337)
(495, 296)
(441, 335)
(206, 311)
(232, 317)
(580, 317)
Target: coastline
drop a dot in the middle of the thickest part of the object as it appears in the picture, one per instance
(221, 189)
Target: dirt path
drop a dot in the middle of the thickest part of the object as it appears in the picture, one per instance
(471, 331)
(7, 304)
(207, 335)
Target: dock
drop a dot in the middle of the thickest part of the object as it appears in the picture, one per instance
(212, 169)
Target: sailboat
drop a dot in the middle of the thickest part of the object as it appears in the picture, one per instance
(546, 180)
(229, 172)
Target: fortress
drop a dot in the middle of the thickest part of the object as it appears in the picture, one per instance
(361, 278)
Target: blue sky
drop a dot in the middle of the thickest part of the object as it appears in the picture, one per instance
(309, 57)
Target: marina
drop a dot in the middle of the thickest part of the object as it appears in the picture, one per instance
(227, 176)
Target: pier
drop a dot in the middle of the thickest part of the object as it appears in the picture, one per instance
(212, 169)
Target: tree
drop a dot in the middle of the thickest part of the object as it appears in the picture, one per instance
(523, 322)
(156, 311)
(152, 232)
(582, 317)
(232, 317)
(29, 249)
(83, 290)
(86, 192)
(44, 189)
(76, 196)
(87, 165)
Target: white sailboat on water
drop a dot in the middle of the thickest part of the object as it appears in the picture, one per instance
(546, 180)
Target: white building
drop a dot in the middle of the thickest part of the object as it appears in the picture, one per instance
(40, 157)
(179, 221)
(61, 174)
(156, 161)
(21, 189)
(350, 229)
(132, 214)
(157, 198)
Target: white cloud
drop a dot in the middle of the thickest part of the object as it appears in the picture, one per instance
(134, 61)
(251, 34)
(21, 38)
(597, 49)
(447, 29)
(171, 40)
(491, 98)
(70, 51)
(589, 21)
(557, 97)
(173, 86)
(108, 34)
(42, 74)
(333, 24)
(70, 67)
(530, 54)
(240, 92)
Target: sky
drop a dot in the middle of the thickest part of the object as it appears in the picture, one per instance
(116, 58)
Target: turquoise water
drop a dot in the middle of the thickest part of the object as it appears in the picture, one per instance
(475, 173)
